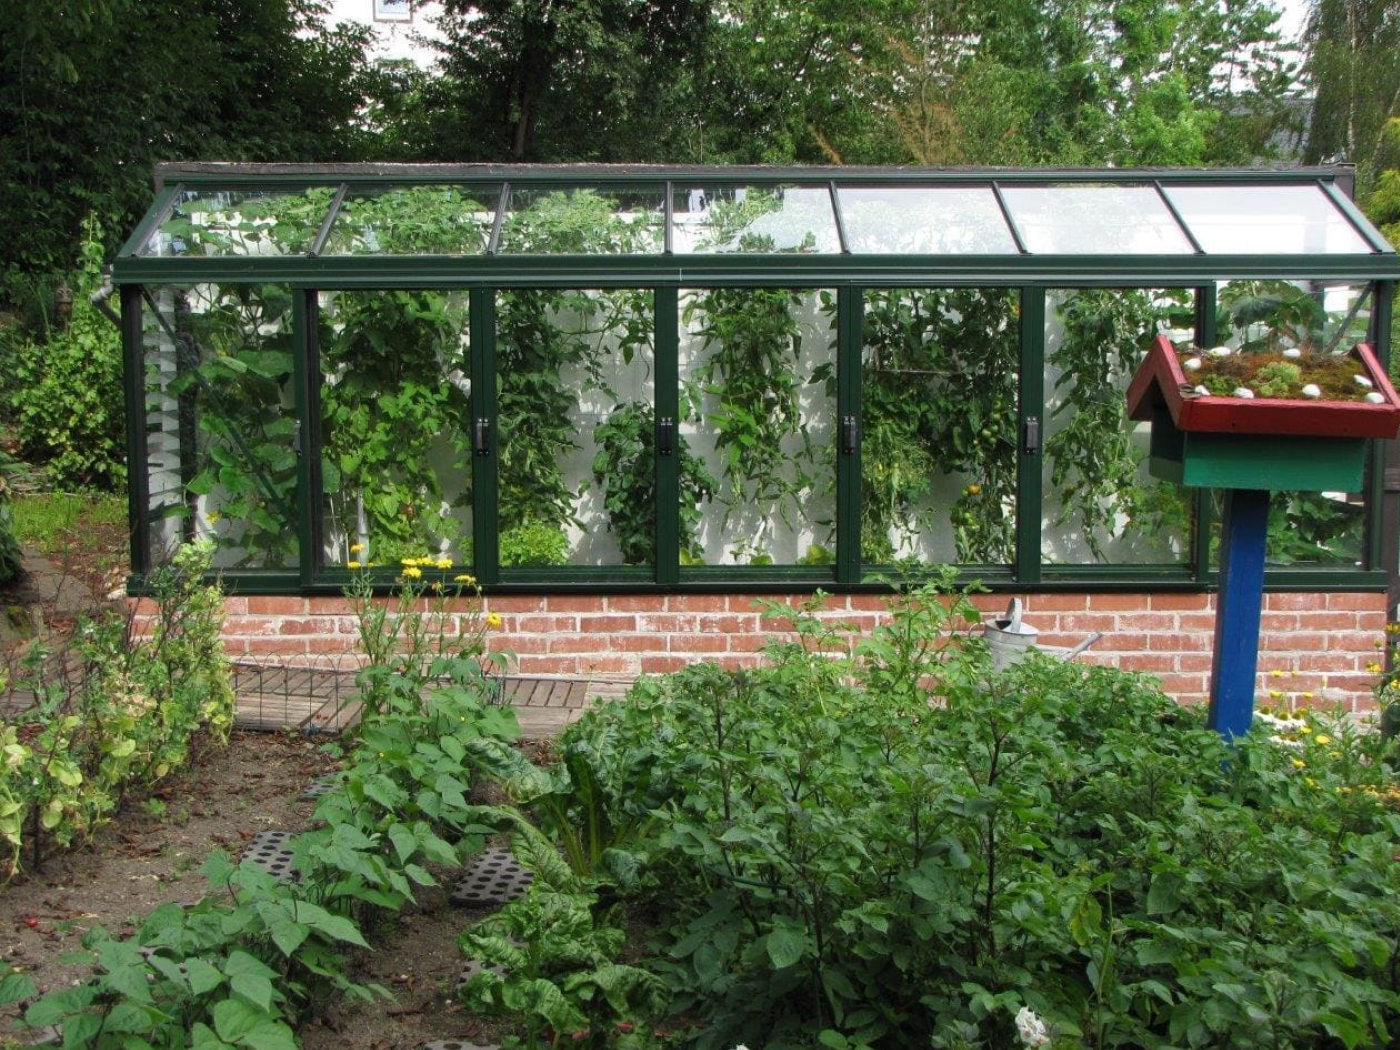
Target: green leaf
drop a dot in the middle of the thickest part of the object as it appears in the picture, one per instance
(235, 1019)
(204, 978)
(785, 948)
(15, 988)
(288, 935)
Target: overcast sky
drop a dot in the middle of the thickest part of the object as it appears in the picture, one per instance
(1294, 13)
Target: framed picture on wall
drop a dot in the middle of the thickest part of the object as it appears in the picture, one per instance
(393, 10)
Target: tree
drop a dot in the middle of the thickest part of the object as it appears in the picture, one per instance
(93, 92)
(1353, 63)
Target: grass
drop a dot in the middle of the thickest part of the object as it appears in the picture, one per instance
(54, 522)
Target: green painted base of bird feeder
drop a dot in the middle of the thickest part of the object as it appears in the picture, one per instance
(1275, 462)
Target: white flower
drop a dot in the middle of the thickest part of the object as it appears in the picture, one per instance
(1032, 1030)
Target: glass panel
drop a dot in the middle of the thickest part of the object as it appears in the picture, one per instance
(1100, 503)
(242, 222)
(220, 416)
(395, 427)
(1307, 529)
(757, 372)
(575, 390)
(754, 220)
(564, 220)
(938, 445)
(1268, 317)
(414, 220)
(924, 220)
(1094, 220)
(1265, 220)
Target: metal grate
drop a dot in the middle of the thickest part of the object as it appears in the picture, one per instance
(320, 787)
(493, 876)
(314, 695)
(271, 851)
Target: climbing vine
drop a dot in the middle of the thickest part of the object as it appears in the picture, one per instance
(939, 398)
(1095, 466)
(625, 468)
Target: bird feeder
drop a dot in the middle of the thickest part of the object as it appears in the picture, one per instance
(1247, 446)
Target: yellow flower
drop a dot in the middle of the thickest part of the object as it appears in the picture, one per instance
(355, 548)
(1307, 696)
(1374, 668)
(1310, 782)
(1305, 729)
(213, 518)
(352, 565)
(1275, 673)
(466, 578)
(443, 563)
(1274, 694)
(974, 489)
(412, 572)
(437, 588)
(1322, 738)
(1298, 763)
(494, 620)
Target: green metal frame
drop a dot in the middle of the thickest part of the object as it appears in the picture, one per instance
(666, 274)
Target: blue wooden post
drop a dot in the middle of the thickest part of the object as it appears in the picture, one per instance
(1243, 530)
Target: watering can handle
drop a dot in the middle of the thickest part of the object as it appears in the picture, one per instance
(1013, 615)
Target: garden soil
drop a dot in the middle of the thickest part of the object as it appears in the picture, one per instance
(153, 852)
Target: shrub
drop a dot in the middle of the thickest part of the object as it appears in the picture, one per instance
(114, 715)
(64, 388)
(895, 846)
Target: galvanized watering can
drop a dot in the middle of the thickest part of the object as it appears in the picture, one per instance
(1009, 639)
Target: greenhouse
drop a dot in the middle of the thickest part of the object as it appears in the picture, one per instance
(633, 379)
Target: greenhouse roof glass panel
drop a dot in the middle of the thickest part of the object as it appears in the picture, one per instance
(414, 220)
(584, 220)
(1283, 220)
(1095, 220)
(924, 220)
(754, 220)
(215, 222)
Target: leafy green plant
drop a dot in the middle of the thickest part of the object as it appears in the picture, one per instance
(1279, 379)
(60, 387)
(894, 845)
(625, 468)
(559, 969)
(126, 718)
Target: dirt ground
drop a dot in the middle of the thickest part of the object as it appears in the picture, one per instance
(152, 853)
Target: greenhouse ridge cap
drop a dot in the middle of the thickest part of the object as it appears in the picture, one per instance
(202, 171)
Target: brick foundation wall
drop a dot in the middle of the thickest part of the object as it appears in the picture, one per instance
(1323, 642)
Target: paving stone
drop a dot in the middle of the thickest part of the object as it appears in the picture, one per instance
(471, 967)
(320, 786)
(493, 876)
(271, 851)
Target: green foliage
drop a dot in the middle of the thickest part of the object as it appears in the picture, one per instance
(625, 468)
(534, 544)
(125, 719)
(10, 536)
(248, 963)
(1094, 465)
(939, 397)
(1279, 379)
(88, 103)
(900, 847)
(49, 520)
(60, 387)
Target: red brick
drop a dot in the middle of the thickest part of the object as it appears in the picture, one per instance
(1172, 643)
(561, 665)
(1200, 661)
(266, 605)
(1180, 686)
(1048, 602)
(867, 602)
(1147, 662)
(663, 664)
(575, 603)
(1356, 602)
(294, 626)
(271, 646)
(515, 603)
(697, 643)
(327, 606)
(542, 624)
(726, 624)
(1283, 621)
(737, 661)
(1087, 623)
(610, 665)
(1181, 602)
(1297, 602)
(614, 623)
(1202, 622)
(640, 643)
(703, 603)
(1296, 641)
(522, 644)
(1117, 602)
(1326, 621)
(636, 603)
(577, 643)
(235, 606)
(748, 643)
